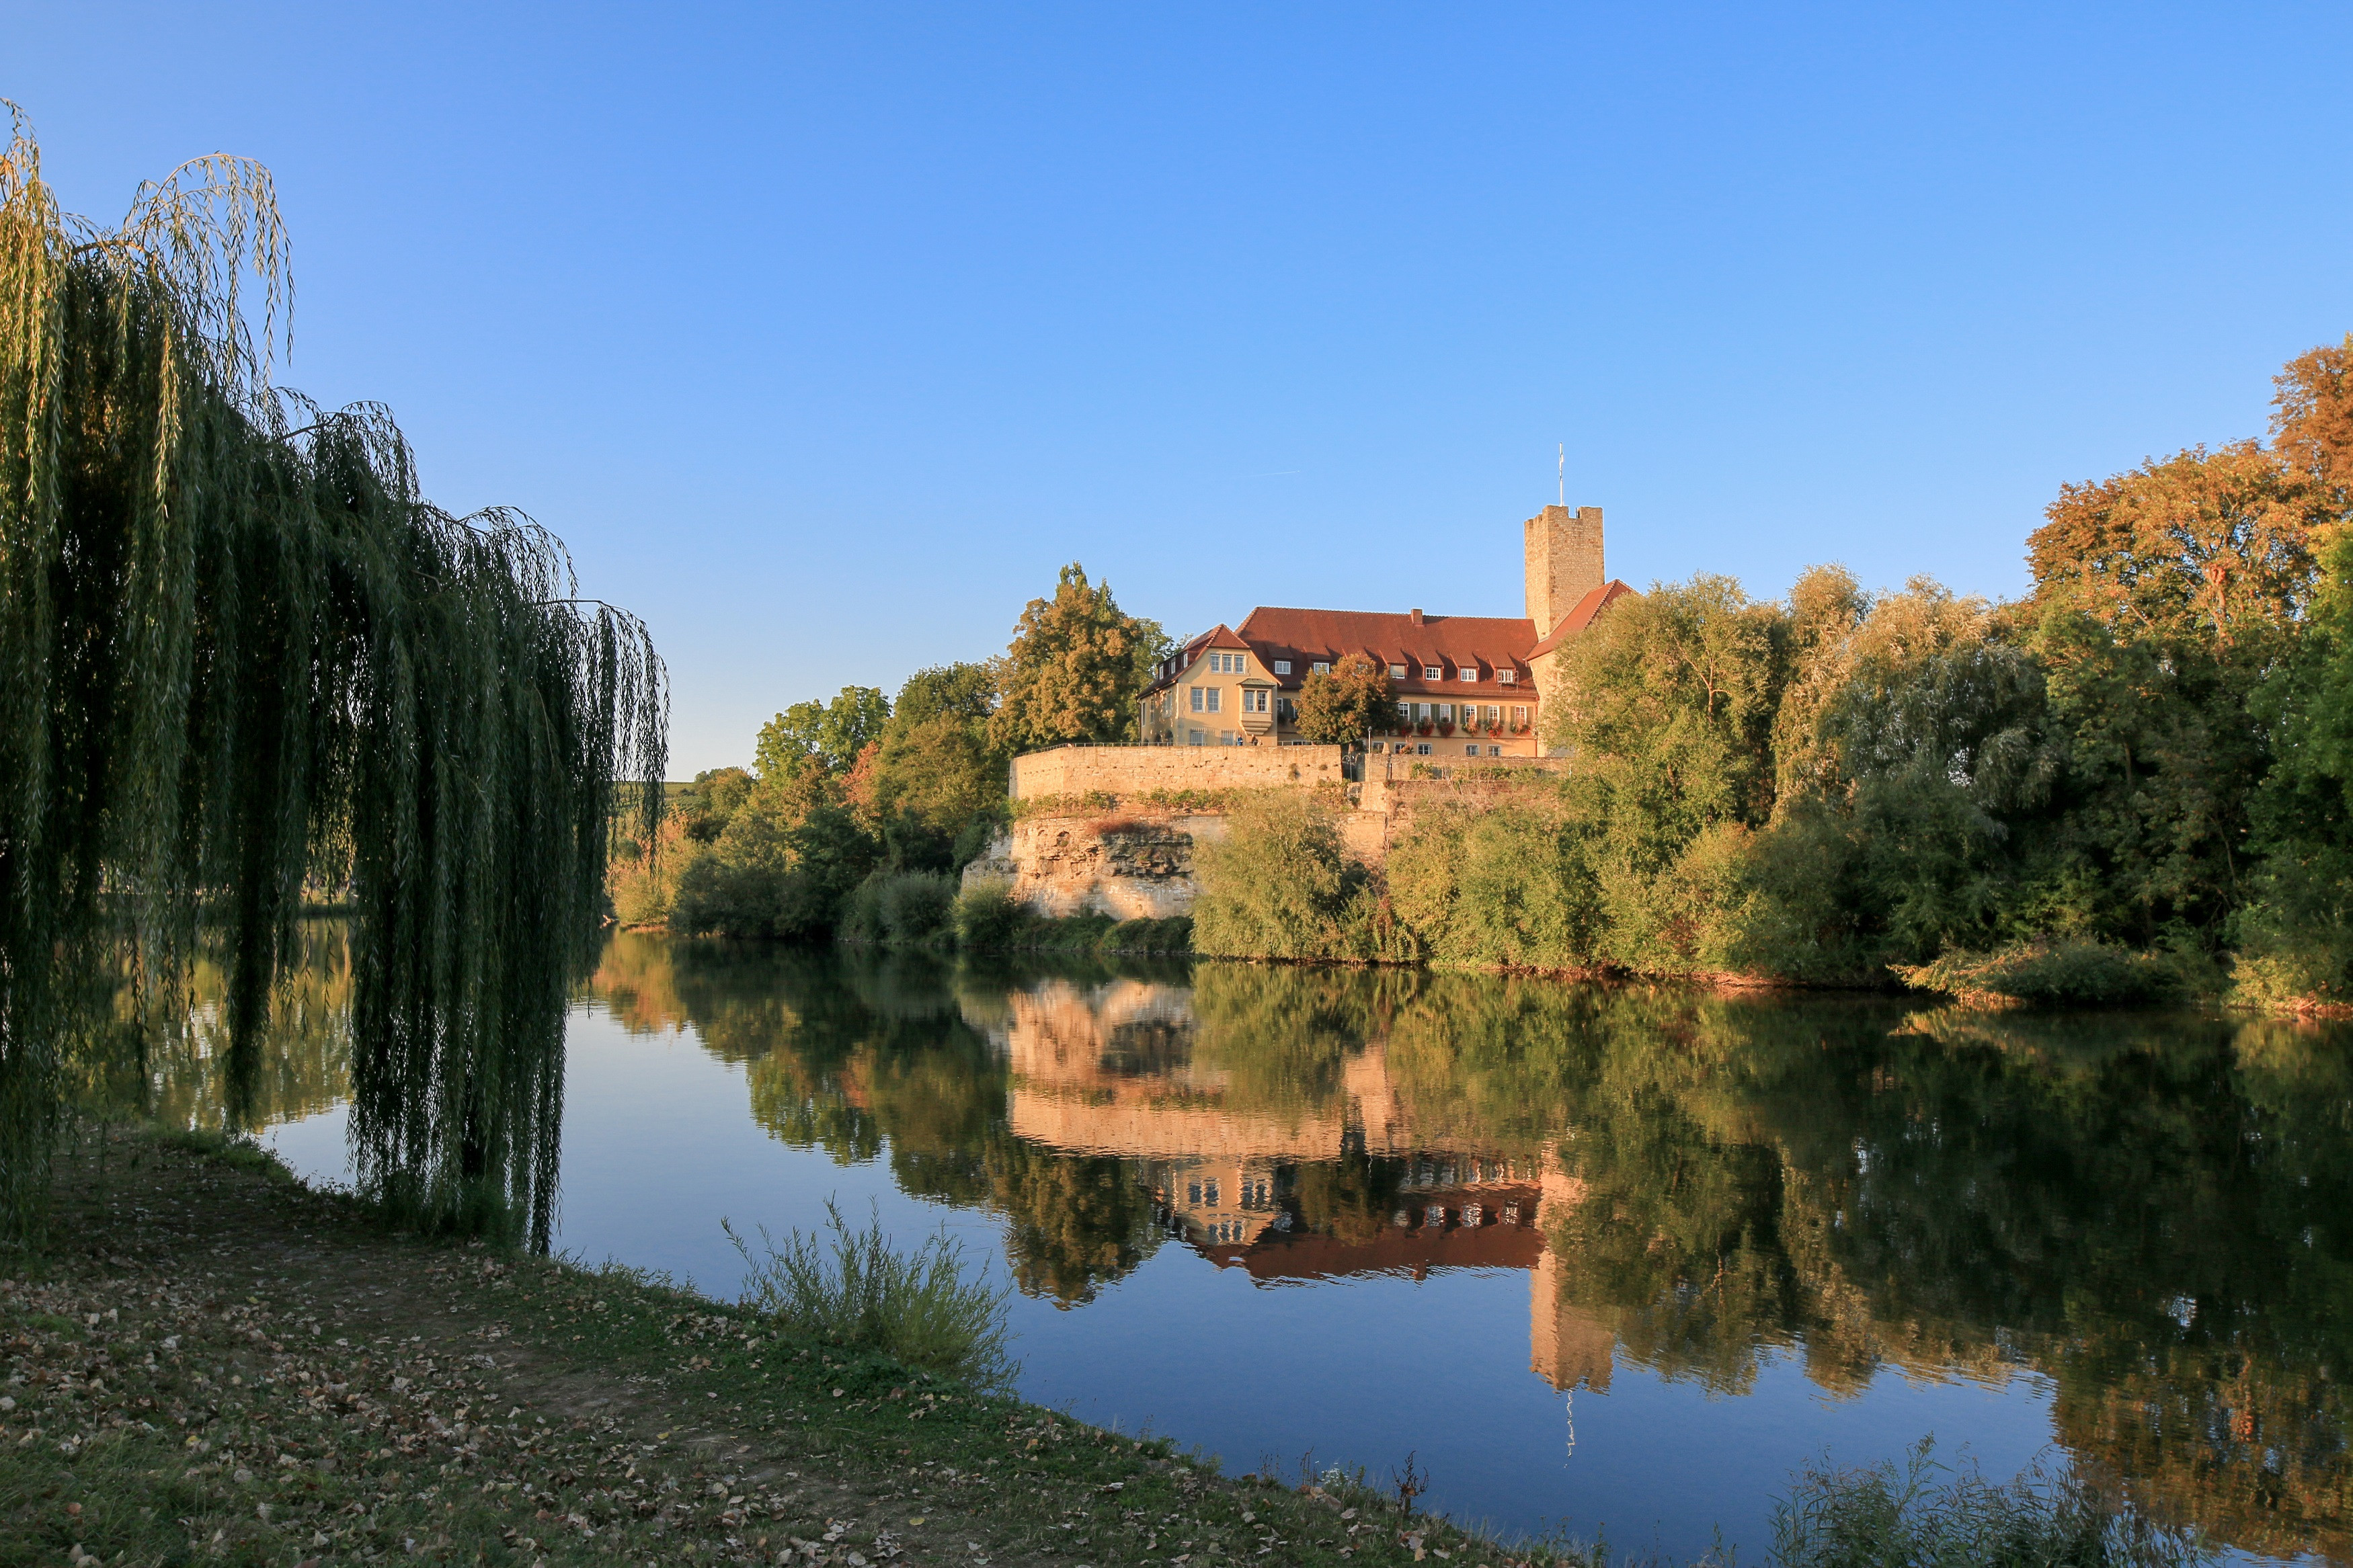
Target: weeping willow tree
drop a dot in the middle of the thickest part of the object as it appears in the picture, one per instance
(243, 662)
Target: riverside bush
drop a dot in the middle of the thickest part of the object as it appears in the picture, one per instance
(853, 1289)
(2075, 971)
(903, 908)
(985, 915)
(918, 906)
(1279, 884)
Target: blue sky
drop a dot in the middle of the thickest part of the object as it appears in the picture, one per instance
(824, 336)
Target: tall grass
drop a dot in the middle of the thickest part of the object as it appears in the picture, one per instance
(853, 1289)
(1885, 1516)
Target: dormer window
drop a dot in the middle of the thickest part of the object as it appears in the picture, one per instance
(1432, 672)
(1396, 672)
(1282, 667)
(1508, 677)
(1323, 666)
(1470, 673)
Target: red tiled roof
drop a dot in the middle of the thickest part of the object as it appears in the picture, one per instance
(1486, 643)
(1577, 619)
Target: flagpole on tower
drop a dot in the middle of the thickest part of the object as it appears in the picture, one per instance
(1560, 470)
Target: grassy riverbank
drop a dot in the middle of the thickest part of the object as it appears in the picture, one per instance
(214, 1364)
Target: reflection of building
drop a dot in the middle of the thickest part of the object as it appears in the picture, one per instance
(1113, 1070)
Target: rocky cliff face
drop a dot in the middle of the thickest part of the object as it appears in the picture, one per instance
(1129, 867)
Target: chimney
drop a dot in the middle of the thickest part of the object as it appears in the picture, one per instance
(1416, 613)
(1564, 562)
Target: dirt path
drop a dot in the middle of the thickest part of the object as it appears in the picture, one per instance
(214, 1364)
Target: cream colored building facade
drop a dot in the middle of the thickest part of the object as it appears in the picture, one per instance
(1465, 686)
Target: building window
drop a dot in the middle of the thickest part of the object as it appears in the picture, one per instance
(1434, 1214)
(1194, 738)
(1519, 715)
(1422, 748)
(1226, 738)
(1468, 673)
(1209, 1193)
(1323, 666)
(1396, 672)
(1471, 750)
(1197, 698)
(1254, 699)
(1474, 1215)
(1217, 695)
(1432, 672)
(1494, 751)
(1282, 667)
(1511, 1213)
(1286, 710)
(1508, 677)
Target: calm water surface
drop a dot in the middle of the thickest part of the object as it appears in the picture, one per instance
(1601, 1259)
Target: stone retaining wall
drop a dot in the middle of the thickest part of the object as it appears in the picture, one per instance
(1133, 861)
(1128, 771)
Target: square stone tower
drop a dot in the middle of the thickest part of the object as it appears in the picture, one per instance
(1564, 562)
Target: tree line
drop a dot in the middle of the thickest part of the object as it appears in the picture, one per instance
(2133, 779)
(865, 788)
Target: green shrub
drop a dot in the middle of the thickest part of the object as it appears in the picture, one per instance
(1172, 934)
(985, 915)
(862, 912)
(851, 1288)
(1511, 885)
(1280, 886)
(917, 906)
(902, 909)
(1880, 1515)
(2052, 972)
(718, 897)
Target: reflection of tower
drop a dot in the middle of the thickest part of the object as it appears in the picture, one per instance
(1564, 1347)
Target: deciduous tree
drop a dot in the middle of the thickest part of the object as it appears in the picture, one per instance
(1074, 670)
(827, 736)
(1342, 705)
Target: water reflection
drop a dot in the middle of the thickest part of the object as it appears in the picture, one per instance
(2132, 1230)
(181, 1067)
(2148, 1211)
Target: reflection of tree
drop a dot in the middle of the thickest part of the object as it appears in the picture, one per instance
(854, 1054)
(1349, 1198)
(2148, 1210)
(1280, 1036)
(183, 1072)
(1076, 1222)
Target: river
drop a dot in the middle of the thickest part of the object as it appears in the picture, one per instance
(1598, 1260)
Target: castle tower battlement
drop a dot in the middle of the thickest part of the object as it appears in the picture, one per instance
(1564, 562)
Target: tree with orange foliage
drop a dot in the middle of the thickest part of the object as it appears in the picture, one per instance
(2208, 546)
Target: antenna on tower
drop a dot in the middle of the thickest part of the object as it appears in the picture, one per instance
(1560, 470)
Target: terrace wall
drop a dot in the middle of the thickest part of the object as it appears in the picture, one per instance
(1126, 771)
